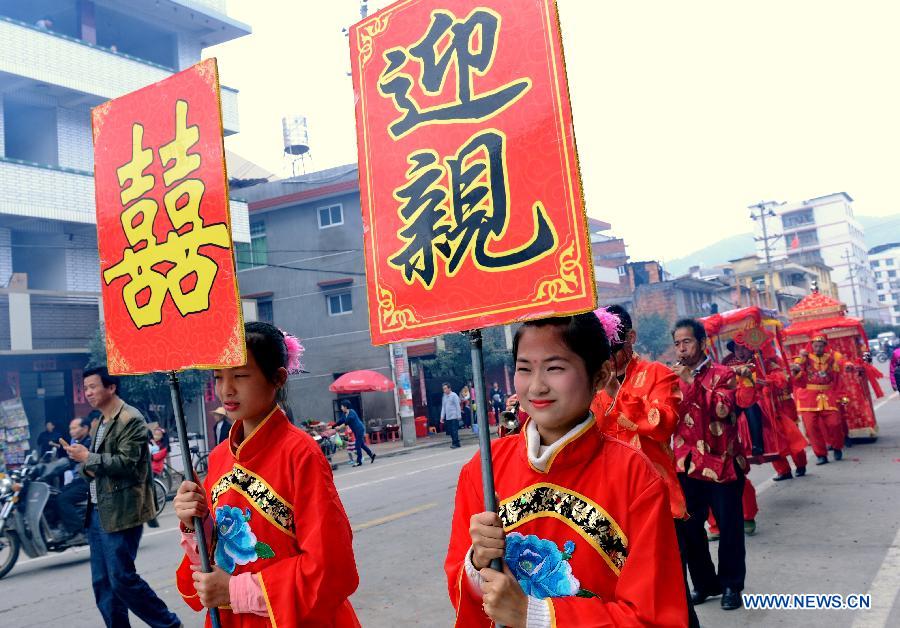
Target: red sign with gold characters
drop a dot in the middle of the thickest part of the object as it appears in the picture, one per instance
(471, 195)
(170, 295)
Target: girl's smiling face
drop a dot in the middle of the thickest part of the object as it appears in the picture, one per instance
(245, 392)
(552, 382)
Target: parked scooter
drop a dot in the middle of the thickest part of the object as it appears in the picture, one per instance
(25, 522)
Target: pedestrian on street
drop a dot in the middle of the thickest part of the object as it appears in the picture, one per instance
(220, 429)
(710, 468)
(451, 413)
(283, 547)
(159, 450)
(465, 400)
(498, 400)
(895, 369)
(117, 469)
(48, 439)
(560, 475)
(76, 491)
(352, 420)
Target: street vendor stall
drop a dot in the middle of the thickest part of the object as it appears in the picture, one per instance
(820, 313)
(767, 430)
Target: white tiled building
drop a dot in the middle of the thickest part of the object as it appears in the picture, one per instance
(884, 261)
(58, 59)
(825, 230)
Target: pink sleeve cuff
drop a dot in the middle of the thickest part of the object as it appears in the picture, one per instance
(247, 595)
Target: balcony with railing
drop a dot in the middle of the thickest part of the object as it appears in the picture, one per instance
(32, 190)
(47, 321)
(43, 58)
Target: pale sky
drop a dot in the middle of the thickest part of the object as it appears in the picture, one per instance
(685, 112)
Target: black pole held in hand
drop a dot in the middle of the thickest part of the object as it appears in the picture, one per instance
(199, 533)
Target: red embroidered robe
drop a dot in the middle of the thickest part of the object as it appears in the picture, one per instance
(277, 514)
(644, 414)
(601, 508)
(708, 429)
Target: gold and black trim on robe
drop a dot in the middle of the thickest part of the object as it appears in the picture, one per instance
(269, 503)
(583, 515)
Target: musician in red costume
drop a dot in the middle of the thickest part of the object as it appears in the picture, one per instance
(711, 467)
(819, 395)
(584, 527)
(640, 406)
(763, 383)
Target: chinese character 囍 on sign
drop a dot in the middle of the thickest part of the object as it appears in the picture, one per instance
(171, 265)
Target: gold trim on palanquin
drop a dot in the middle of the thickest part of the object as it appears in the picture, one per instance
(583, 515)
(277, 510)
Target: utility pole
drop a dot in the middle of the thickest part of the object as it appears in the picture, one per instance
(851, 271)
(761, 213)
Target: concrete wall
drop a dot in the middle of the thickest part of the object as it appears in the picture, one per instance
(76, 149)
(83, 264)
(334, 344)
(5, 257)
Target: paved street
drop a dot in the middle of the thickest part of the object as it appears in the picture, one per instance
(835, 531)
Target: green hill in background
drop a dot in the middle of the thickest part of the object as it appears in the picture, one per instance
(879, 230)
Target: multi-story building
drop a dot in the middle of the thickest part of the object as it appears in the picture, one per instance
(305, 269)
(884, 261)
(823, 230)
(57, 60)
(787, 280)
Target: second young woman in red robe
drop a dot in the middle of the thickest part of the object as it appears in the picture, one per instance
(584, 527)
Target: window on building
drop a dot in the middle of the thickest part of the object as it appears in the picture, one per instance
(30, 133)
(331, 216)
(879, 286)
(882, 298)
(808, 237)
(874, 264)
(892, 273)
(264, 310)
(897, 308)
(889, 262)
(797, 219)
(621, 271)
(257, 252)
(339, 304)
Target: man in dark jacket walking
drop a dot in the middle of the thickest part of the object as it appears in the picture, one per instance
(117, 469)
(359, 431)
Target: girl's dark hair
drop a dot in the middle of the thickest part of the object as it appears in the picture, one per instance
(583, 335)
(266, 343)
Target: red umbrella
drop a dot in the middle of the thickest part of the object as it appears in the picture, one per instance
(361, 381)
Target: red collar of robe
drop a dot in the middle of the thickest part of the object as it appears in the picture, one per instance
(258, 440)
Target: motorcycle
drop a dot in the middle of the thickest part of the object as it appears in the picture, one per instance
(26, 524)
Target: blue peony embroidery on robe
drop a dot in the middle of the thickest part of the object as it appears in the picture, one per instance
(540, 568)
(237, 544)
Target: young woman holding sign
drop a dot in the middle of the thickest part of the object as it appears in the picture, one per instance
(584, 526)
(273, 565)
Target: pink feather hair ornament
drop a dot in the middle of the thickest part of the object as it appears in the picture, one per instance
(612, 324)
(295, 352)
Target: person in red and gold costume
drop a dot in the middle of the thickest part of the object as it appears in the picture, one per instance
(640, 406)
(819, 394)
(584, 525)
(763, 383)
(710, 467)
(274, 565)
